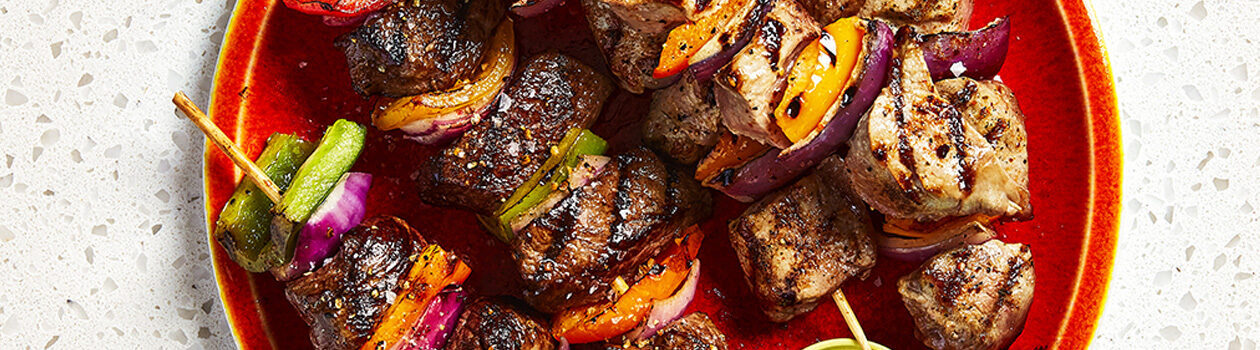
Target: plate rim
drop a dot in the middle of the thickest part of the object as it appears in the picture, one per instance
(239, 49)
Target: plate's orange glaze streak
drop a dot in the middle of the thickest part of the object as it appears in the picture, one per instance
(279, 72)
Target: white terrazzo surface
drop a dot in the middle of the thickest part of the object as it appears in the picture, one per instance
(102, 241)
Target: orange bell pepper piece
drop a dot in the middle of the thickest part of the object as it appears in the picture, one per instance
(606, 320)
(730, 151)
(432, 271)
(820, 75)
(685, 40)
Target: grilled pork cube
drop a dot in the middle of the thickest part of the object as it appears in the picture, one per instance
(570, 255)
(827, 11)
(419, 46)
(916, 156)
(345, 299)
(749, 88)
(927, 16)
(500, 325)
(973, 297)
(550, 95)
(631, 39)
(990, 107)
(682, 122)
(798, 244)
(695, 331)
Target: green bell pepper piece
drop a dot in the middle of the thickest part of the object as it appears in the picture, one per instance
(244, 225)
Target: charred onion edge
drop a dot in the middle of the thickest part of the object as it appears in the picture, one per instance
(666, 311)
(778, 167)
(979, 53)
(920, 249)
(531, 8)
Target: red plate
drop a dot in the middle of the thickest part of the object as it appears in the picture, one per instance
(278, 72)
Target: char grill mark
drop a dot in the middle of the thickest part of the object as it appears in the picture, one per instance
(414, 47)
(631, 33)
(972, 297)
(501, 325)
(344, 300)
(800, 243)
(570, 255)
(550, 95)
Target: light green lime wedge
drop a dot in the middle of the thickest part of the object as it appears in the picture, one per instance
(842, 344)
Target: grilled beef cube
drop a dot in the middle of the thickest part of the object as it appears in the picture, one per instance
(692, 332)
(750, 87)
(499, 325)
(916, 156)
(928, 16)
(551, 94)
(990, 107)
(973, 297)
(345, 299)
(798, 244)
(570, 255)
(682, 122)
(827, 11)
(419, 46)
(630, 42)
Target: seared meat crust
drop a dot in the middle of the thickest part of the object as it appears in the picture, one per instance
(927, 16)
(630, 33)
(608, 228)
(798, 244)
(683, 121)
(419, 46)
(551, 94)
(915, 155)
(695, 331)
(972, 297)
(990, 107)
(345, 299)
(499, 325)
(827, 11)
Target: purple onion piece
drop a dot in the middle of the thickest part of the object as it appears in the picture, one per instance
(920, 249)
(978, 54)
(707, 67)
(342, 210)
(437, 323)
(531, 8)
(447, 127)
(779, 167)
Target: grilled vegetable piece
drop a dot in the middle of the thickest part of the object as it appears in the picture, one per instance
(972, 297)
(336, 153)
(748, 90)
(605, 320)
(797, 245)
(551, 94)
(345, 300)
(682, 122)
(489, 324)
(927, 16)
(553, 176)
(337, 8)
(570, 255)
(818, 78)
(713, 34)
(630, 34)
(432, 272)
(976, 54)
(244, 225)
(916, 156)
(342, 210)
(419, 46)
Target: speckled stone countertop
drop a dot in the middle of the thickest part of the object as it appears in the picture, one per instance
(102, 238)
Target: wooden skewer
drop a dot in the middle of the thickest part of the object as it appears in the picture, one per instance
(850, 318)
(227, 146)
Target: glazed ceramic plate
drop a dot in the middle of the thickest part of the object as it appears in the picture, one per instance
(279, 72)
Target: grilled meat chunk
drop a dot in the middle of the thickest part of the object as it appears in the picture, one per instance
(570, 255)
(798, 244)
(630, 33)
(551, 94)
(827, 11)
(990, 107)
(695, 331)
(750, 87)
(418, 46)
(973, 297)
(499, 325)
(916, 156)
(345, 299)
(682, 122)
(928, 16)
